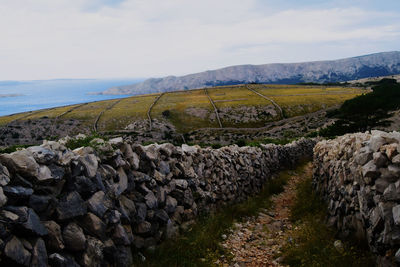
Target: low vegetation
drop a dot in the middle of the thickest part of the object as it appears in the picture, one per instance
(313, 241)
(366, 111)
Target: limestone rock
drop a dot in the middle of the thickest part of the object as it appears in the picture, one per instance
(74, 238)
(16, 251)
(71, 206)
(39, 254)
(54, 239)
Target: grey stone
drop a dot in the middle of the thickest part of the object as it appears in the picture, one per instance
(39, 254)
(122, 184)
(58, 260)
(397, 256)
(161, 216)
(391, 193)
(170, 204)
(74, 238)
(163, 167)
(39, 203)
(151, 200)
(370, 170)
(4, 176)
(129, 205)
(54, 238)
(396, 214)
(20, 162)
(93, 255)
(34, 225)
(3, 198)
(181, 184)
(120, 236)
(44, 173)
(123, 256)
(116, 141)
(16, 251)
(376, 142)
(90, 164)
(42, 155)
(17, 192)
(143, 228)
(98, 204)
(71, 206)
(141, 212)
(94, 225)
(380, 159)
(396, 159)
(394, 170)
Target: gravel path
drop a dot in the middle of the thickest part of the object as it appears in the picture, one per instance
(259, 240)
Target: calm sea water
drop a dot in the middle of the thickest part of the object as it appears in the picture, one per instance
(52, 93)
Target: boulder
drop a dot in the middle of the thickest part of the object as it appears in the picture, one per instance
(17, 192)
(151, 200)
(93, 255)
(370, 170)
(4, 176)
(98, 204)
(90, 164)
(58, 260)
(94, 225)
(120, 236)
(16, 251)
(20, 162)
(54, 239)
(42, 155)
(396, 214)
(39, 254)
(33, 224)
(71, 206)
(3, 198)
(74, 238)
(143, 228)
(170, 204)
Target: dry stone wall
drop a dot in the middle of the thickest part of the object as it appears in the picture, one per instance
(91, 206)
(359, 177)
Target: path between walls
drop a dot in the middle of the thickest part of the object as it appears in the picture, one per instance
(259, 240)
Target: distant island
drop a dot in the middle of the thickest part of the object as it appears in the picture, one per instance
(10, 95)
(329, 71)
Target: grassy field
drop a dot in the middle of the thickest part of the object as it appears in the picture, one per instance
(299, 100)
(179, 105)
(87, 114)
(125, 112)
(191, 109)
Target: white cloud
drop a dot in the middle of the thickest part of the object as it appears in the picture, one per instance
(43, 39)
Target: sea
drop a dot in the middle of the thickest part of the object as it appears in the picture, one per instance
(21, 96)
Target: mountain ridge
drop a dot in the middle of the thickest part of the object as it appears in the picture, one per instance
(340, 70)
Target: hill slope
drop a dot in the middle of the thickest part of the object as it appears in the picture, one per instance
(379, 64)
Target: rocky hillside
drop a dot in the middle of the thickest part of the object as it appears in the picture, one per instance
(379, 64)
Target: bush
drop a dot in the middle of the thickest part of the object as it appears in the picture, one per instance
(76, 143)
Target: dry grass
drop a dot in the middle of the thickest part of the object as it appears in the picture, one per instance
(294, 99)
(178, 103)
(125, 112)
(51, 112)
(87, 114)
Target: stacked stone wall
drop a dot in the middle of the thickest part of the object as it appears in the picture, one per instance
(359, 177)
(91, 206)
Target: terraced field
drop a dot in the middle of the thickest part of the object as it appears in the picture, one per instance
(241, 106)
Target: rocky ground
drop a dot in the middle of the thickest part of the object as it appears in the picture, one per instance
(259, 240)
(29, 132)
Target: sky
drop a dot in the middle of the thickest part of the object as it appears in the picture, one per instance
(54, 39)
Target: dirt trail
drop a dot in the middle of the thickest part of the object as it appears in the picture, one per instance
(259, 240)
